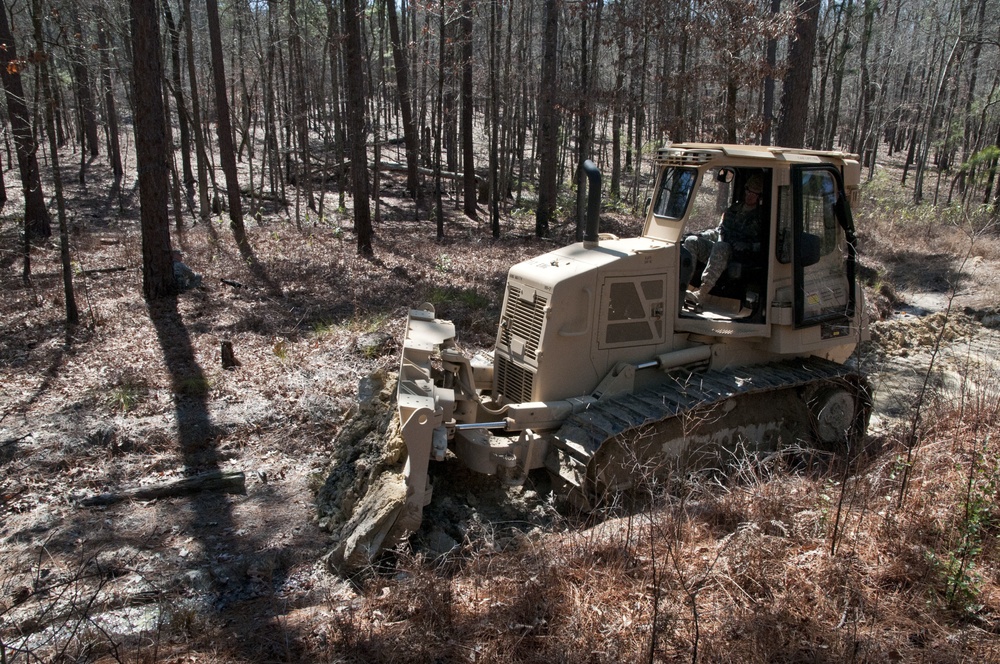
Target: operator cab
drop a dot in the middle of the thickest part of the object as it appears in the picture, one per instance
(795, 268)
(740, 290)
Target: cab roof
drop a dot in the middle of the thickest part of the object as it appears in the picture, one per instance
(701, 153)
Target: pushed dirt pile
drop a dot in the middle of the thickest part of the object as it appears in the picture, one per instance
(900, 335)
(361, 502)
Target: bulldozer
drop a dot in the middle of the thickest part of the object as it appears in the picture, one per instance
(606, 367)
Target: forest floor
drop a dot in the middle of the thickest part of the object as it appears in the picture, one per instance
(137, 396)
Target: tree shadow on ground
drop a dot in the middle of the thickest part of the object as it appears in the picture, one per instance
(189, 386)
(935, 273)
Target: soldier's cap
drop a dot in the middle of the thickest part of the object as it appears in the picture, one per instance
(755, 183)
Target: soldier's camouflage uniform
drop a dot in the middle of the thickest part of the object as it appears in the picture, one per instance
(739, 229)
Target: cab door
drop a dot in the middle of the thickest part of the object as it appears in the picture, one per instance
(824, 248)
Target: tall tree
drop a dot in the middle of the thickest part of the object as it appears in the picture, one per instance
(201, 151)
(334, 39)
(72, 314)
(772, 62)
(585, 129)
(300, 107)
(110, 109)
(791, 131)
(224, 128)
(468, 151)
(354, 58)
(183, 120)
(401, 66)
(548, 121)
(37, 222)
(151, 152)
(84, 98)
(494, 106)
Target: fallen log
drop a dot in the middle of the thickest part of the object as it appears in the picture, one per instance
(262, 196)
(216, 480)
(104, 270)
(423, 170)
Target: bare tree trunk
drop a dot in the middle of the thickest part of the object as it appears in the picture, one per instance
(929, 129)
(37, 222)
(772, 61)
(791, 130)
(356, 136)
(151, 151)
(439, 127)
(405, 100)
(967, 136)
(992, 173)
(618, 102)
(114, 147)
(334, 38)
(72, 314)
(175, 189)
(839, 67)
(548, 121)
(299, 106)
(468, 153)
(640, 116)
(864, 76)
(183, 120)
(494, 157)
(201, 153)
(227, 153)
(81, 76)
(585, 136)
(732, 90)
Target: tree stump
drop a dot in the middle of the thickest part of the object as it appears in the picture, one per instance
(229, 360)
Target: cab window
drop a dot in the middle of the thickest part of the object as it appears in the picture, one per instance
(675, 192)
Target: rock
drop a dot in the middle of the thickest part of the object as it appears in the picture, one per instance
(373, 344)
(369, 389)
(197, 579)
(440, 543)
(991, 321)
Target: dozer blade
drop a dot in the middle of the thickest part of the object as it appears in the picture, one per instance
(388, 507)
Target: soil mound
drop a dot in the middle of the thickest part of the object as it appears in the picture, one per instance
(361, 501)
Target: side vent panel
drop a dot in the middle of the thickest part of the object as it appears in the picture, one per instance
(514, 383)
(517, 343)
(523, 320)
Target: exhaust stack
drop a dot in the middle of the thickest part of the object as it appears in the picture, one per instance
(590, 237)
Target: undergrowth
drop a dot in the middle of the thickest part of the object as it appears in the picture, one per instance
(733, 568)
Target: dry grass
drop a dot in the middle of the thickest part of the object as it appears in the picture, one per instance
(920, 247)
(732, 571)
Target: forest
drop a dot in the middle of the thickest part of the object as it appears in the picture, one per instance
(503, 98)
(324, 165)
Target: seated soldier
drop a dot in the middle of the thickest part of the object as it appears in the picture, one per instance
(184, 277)
(740, 227)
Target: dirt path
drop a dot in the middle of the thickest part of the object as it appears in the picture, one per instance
(933, 347)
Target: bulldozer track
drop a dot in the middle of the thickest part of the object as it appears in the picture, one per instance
(582, 435)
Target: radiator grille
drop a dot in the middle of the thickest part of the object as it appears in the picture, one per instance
(522, 322)
(513, 382)
(523, 319)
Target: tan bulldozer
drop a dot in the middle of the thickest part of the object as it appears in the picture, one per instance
(616, 354)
